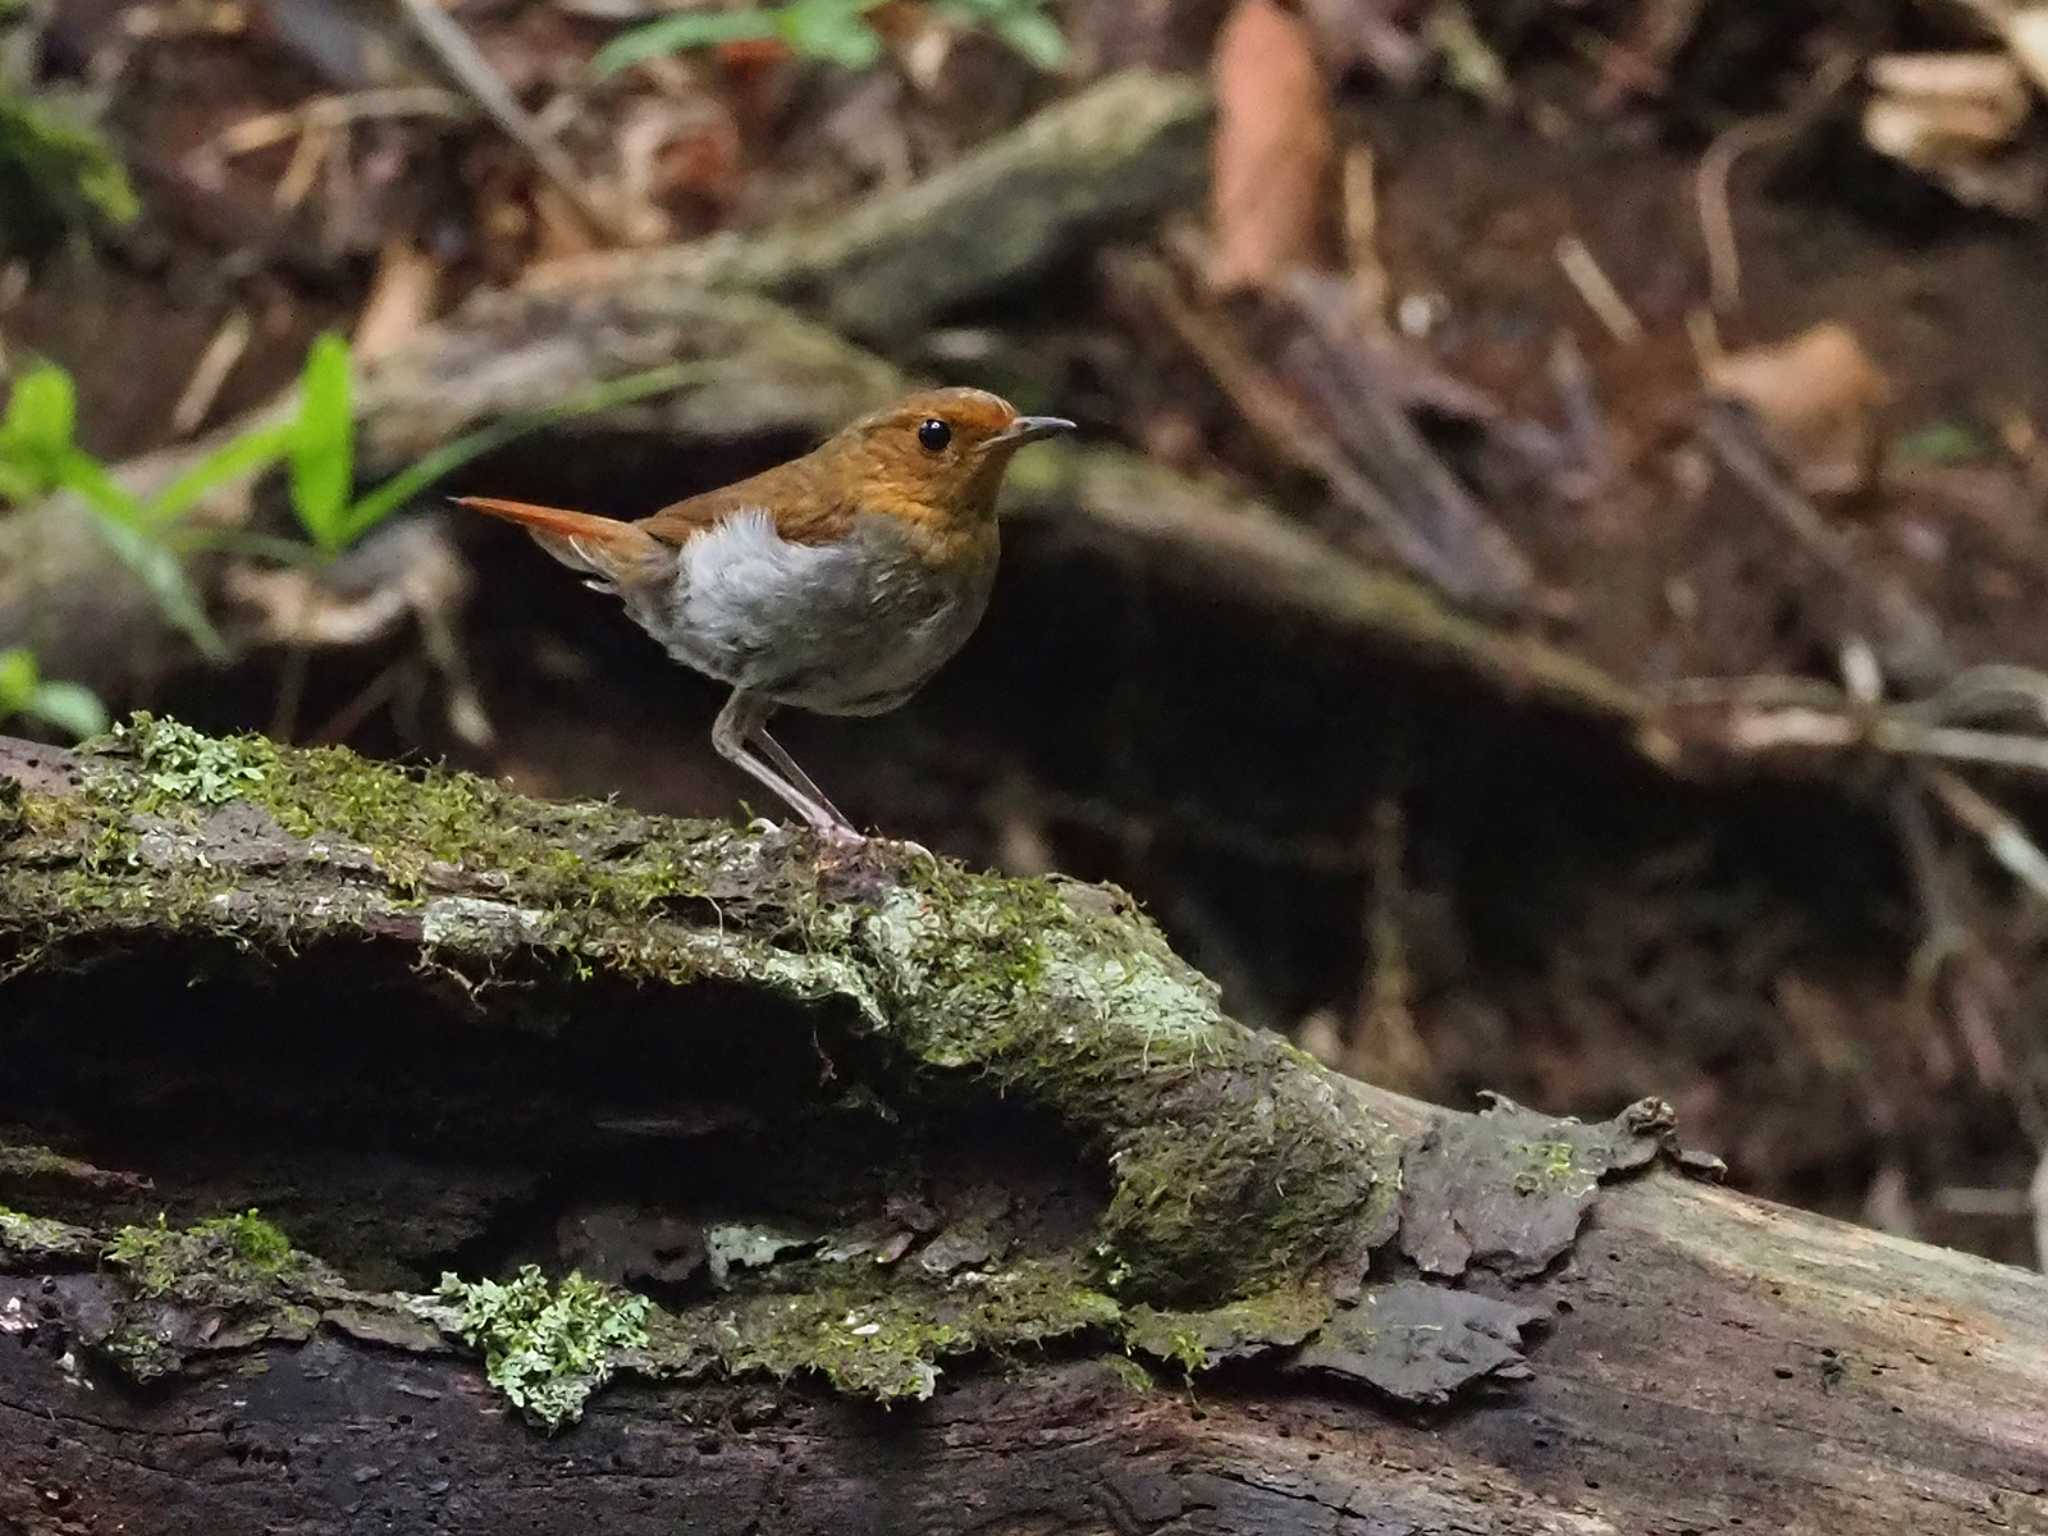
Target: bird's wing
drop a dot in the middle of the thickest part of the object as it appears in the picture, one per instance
(796, 495)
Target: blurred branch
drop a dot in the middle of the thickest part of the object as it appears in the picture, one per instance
(1104, 161)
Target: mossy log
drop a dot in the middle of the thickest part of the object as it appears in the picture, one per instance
(387, 1151)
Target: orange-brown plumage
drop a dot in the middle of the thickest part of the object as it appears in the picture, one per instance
(837, 582)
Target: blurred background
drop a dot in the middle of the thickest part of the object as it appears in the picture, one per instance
(1545, 600)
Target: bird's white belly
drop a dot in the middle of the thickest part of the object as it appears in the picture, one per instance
(849, 628)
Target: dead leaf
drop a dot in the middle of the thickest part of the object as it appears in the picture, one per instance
(1273, 150)
(2026, 34)
(1951, 117)
(402, 300)
(1816, 397)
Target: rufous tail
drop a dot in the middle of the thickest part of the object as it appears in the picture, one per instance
(618, 553)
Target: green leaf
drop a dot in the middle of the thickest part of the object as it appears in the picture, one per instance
(1035, 36)
(675, 34)
(832, 30)
(249, 454)
(394, 493)
(323, 443)
(159, 571)
(87, 478)
(19, 679)
(65, 705)
(70, 707)
(57, 173)
(42, 413)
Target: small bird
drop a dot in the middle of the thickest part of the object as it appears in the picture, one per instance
(837, 583)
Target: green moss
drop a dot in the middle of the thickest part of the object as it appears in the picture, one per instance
(874, 1333)
(882, 1336)
(1198, 1340)
(239, 1260)
(1234, 1162)
(1038, 1300)
(1550, 1168)
(129, 845)
(35, 1162)
(547, 1348)
(876, 1344)
(1130, 1375)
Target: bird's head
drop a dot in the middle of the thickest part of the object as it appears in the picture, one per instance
(938, 457)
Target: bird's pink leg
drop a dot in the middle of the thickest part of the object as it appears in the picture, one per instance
(776, 754)
(741, 719)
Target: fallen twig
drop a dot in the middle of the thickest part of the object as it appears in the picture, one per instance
(2007, 841)
(1436, 530)
(1710, 184)
(1911, 642)
(1579, 264)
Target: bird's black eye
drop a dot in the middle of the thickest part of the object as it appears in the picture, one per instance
(933, 435)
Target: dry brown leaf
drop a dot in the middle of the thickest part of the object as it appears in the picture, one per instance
(1817, 397)
(1951, 117)
(402, 300)
(2026, 34)
(1273, 148)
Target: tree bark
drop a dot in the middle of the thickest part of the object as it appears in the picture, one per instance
(917, 1201)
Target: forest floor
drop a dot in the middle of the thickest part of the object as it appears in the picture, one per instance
(1567, 229)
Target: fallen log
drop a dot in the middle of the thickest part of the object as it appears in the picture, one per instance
(896, 1198)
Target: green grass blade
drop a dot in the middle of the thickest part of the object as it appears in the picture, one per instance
(70, 707)
(158, 570)
(402, 487)
(42, 414)
(249, 454)
(323, 443)
(675, 34)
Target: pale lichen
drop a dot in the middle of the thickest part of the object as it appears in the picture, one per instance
(546, 1347)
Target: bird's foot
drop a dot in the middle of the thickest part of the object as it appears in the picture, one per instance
(919, 850)
(840, 835)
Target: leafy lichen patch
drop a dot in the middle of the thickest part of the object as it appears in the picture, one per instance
(546, 1347)
(1420, 1343)
(1509, 1189)
(37, 1239)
